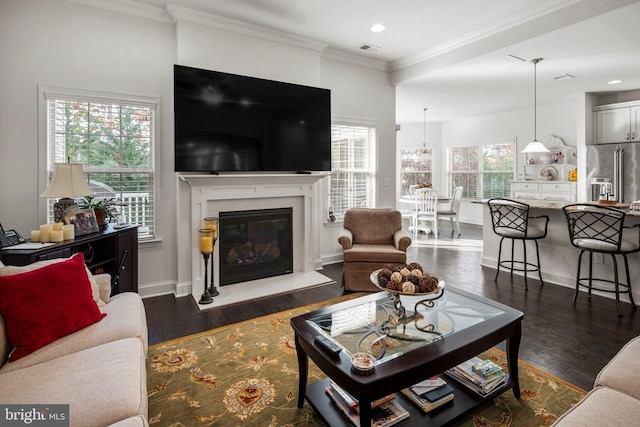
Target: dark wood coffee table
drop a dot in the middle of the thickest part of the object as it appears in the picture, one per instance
(459, 326)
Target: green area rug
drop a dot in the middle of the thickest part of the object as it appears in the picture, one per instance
(247, 374)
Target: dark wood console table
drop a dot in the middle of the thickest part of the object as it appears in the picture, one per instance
(103, 251)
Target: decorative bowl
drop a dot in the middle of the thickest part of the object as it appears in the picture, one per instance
(363, 362)
(374, 279)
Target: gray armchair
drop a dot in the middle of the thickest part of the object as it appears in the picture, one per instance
(370, 239)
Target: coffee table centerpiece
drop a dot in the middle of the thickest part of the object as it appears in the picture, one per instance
(410, 280)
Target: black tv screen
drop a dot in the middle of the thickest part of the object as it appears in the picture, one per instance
(226, 122)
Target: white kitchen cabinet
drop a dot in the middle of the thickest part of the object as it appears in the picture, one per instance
(616, 123)
(545, 190)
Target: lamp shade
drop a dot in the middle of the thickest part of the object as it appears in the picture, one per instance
(67, 181)
(535, 147)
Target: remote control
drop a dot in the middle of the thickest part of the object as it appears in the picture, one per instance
(328, 344)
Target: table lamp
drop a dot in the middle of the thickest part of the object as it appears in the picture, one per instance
(66, 183)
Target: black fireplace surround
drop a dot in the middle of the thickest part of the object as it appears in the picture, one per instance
(255, 244)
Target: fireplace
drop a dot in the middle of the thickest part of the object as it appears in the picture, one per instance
(255, 244)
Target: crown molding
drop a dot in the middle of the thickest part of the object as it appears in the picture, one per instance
(338, 55)
(179, 13)
(129, 7)
(537, 10)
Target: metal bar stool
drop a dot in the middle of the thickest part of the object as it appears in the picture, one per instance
(511, 220)
(599, 229)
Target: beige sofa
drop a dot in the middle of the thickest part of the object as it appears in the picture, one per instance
(370, 239)
(615, 398)
(99, 371)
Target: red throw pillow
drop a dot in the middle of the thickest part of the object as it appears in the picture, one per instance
(43, 305)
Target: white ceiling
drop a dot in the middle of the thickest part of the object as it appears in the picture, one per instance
(451, 56)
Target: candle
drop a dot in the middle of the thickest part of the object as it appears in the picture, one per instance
(35, 236)
(210, 225)
(45, 232)
(56, 236)
(57, 226)
(68, 232)
(206, 245)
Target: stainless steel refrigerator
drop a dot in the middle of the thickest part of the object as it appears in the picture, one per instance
(621, 164)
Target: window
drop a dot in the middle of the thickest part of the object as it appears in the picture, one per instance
(353, 162)
(415, 167)
(113, 138)
(484, 170)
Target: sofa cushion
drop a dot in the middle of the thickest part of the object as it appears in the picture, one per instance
(43, 305)
(102, 385)
(616, 373)
(9, 270)
(126, 318)
(137, 421)
(602, 406)
(374, 253)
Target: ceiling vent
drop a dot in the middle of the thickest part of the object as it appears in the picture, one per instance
(564, 76)
(369, 47)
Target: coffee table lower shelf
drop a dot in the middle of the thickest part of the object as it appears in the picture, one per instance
(464, 402)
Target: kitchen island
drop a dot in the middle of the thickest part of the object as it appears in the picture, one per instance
(558, 258)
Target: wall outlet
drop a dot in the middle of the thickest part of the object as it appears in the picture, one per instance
(386, 182)
(598, 258)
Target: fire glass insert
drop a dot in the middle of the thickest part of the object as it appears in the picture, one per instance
(255, 244)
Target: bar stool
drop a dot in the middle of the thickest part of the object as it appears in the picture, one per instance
(511, 220)
(599, 229)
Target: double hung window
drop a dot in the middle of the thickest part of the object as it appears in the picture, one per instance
(113, 137)
(353, 168)
(483, 170)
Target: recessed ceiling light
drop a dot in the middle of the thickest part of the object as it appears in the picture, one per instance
(377, 28)
(614, 82)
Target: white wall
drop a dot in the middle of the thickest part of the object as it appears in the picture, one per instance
(65, 44)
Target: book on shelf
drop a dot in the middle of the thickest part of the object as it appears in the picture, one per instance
(384, 415)
(352, 402)
(425, 404)
(465, 374)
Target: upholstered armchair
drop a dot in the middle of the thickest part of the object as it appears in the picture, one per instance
(370, 239)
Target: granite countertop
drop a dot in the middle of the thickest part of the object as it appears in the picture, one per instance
(554, 204)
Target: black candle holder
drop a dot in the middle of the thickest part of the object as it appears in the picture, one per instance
(211, 225)
(213, 291)
(206, 249)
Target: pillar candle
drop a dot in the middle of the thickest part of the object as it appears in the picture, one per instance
(57, 226)
(68, 232)
(35, 236)
(56, 236)
(214, 230)
(45, 232)
(206, 245)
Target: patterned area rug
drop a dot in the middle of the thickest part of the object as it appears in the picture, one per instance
(247, 374)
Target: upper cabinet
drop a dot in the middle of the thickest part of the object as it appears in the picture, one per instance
(616, 123)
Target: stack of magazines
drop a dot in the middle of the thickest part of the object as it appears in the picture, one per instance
(481, 376)
(430, 394)
(385, 411)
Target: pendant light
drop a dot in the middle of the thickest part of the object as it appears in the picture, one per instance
(424, 152)
(535, 146)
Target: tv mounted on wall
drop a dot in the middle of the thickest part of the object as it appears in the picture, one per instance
(230, 123)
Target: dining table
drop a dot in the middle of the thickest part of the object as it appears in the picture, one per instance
(410, 213)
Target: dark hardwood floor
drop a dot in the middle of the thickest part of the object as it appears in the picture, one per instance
(571, 341)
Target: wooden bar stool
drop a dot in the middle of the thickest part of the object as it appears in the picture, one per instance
(599, 229)
(510, 220)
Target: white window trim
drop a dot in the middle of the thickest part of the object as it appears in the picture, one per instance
(45, 92)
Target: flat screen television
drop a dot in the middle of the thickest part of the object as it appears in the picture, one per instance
(230, 123)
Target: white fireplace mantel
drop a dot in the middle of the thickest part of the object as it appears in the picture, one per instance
(212, 194)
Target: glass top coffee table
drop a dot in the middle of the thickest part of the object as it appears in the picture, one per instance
(435, 333)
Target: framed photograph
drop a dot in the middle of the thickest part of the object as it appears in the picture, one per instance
(83, 220)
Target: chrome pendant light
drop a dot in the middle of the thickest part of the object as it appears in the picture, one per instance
(535, 146)
(424, 151)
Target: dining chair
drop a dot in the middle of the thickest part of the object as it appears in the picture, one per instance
(511, 220)
(453, 213)
(426, 209)
(599, 229)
